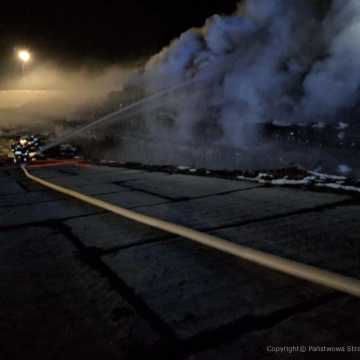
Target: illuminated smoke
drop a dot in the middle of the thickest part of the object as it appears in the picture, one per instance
(48, 93)
(279, 61)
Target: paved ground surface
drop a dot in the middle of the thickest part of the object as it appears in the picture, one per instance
(79, 283)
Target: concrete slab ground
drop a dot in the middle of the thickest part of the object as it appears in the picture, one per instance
(328, 239)
(240, 207)
(28, 214)
(76, 282)
(115, 232)
(169, 272)
(203, 214)
(195, 289)
(178, 187)
(28, 198)
(9, 187)
(89, 180)
(53, 306)
(311, 338)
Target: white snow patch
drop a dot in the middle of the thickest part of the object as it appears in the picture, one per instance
(342, 125)
(344, 169)
(284, 182)
(319, 125)
(280, 182)
(322, 176)
(252, 179)
(339, 187)
(264, 175)
(314, 178)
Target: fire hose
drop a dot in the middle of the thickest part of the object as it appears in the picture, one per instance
(293, 268)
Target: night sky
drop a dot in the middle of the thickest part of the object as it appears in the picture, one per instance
(101, 31)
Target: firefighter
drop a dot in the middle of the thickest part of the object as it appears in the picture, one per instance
(25, 149)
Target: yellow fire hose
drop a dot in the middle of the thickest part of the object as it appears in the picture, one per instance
(306, 272)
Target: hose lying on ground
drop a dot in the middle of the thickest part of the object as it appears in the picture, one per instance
(302, 271)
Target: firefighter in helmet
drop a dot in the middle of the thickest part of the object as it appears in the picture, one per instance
(25, 149)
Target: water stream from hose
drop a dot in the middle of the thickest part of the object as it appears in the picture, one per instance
(122, 111)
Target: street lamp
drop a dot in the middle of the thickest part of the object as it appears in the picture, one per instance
(24, 56)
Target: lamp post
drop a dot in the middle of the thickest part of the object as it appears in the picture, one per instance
(24, 56)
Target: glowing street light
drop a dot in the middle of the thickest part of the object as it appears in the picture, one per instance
(24, 56)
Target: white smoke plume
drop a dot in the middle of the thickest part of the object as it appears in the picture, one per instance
(333, 83)
(275, 61)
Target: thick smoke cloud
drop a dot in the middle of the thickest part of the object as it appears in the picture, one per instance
(333, 83)
(278, 61)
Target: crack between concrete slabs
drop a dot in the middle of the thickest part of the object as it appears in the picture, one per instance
(168, 343)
